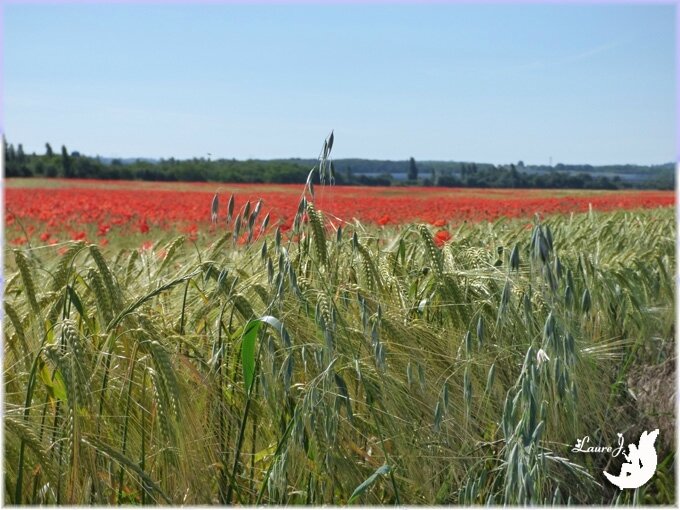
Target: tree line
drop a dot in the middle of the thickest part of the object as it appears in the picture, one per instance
(72, 164)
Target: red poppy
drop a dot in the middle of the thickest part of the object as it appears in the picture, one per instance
(441, 237)
(104, 229)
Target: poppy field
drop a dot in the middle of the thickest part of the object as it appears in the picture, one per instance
(50, 211)
(200, 344)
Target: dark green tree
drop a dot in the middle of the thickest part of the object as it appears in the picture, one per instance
(66, 165)
(22, 161)
(412, 170)
(21, 155)
(514, 177)
(48, 150)
(11, 164)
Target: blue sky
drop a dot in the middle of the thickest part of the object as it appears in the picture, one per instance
(492, 83)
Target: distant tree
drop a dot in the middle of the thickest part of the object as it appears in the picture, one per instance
(66, 165)
(412, 170)
(433, 176)
(514, 177)
(11, 164)
(48, 150)
(23, 161)
(21, 156)
(520, 164)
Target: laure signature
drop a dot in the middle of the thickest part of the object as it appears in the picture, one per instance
(582, 446)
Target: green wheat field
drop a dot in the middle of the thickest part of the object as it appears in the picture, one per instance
(365, 366)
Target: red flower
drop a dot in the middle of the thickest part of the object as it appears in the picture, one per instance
(143, 227)
(441, 237)
(384, 220)
(45, 236)
(104, 229)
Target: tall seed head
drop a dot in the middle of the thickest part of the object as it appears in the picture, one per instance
(214, 209)
(230, 208)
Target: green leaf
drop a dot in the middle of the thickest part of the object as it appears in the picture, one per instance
(248, 345)
(490, 378)
(76, 301)
(381, 471)
(248, 352)
(54, 383)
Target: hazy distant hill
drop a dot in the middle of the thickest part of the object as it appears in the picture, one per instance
(399, 169)
(356, 171)
(127, 161)
(444, 173)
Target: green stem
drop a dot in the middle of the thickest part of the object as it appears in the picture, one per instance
(222, 415)
(184, 302)
(277, 453)
(387, 459)
(127, 419)
(242, 429)
(27, 409)
(142, 462)
(42, 430)
(252, 448)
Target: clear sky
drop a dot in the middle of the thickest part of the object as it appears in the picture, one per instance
(490, 83)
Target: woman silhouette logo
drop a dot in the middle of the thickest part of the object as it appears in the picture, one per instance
(641, 463)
